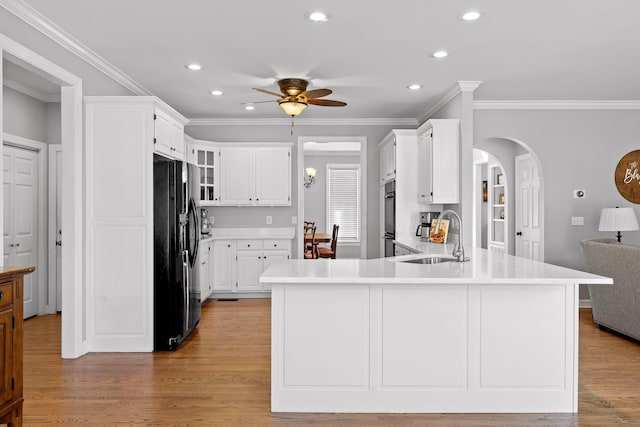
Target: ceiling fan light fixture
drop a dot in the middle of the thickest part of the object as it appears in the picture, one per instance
(292, 108)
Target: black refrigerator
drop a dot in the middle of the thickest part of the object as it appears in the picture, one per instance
(176, 237)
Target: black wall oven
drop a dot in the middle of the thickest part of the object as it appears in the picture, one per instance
(389, 217)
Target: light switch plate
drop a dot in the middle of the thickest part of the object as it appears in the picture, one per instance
(269, 219)
(577, 220)
(211, 220)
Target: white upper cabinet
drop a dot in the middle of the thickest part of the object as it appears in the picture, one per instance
(237, 174)
(208, 159)
(388, 159)
(439, 161)
(168, 135)
(273, 176)
(255, 176)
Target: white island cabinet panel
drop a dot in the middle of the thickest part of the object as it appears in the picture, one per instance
(339, 338)
(435, 356)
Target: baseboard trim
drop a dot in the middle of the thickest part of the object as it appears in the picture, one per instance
(585, 303)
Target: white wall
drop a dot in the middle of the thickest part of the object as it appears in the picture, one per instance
(24, 116)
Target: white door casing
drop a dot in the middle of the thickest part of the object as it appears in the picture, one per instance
(528, 209)
(20, 234)
(55, 222)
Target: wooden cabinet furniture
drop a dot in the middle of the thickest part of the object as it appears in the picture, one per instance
(498, 213)
(439, 161)
(11, 321)
(255, 176)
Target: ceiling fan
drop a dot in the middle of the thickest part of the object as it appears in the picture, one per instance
(295, 97)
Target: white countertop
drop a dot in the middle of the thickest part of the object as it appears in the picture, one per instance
(484, 267)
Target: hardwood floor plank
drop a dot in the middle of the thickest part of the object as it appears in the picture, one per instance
(221, 377)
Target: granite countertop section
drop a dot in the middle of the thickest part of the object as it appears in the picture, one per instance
(252, 233)
(484, 267)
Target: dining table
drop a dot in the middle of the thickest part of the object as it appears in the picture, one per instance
(319, 238)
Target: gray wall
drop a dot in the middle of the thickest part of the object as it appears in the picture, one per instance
(228, 217)
(26, 116)
(578, 149)
(315, 198)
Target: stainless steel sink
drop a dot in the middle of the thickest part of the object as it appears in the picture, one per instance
(429, 260)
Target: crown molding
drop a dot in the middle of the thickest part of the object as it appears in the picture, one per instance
(30, 91)
(456, 89)
(58, 35)
(302, 122)
(556, 105)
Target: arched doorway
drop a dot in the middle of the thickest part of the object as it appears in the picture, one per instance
(522, 187)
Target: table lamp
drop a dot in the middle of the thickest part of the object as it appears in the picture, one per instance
(618, 219)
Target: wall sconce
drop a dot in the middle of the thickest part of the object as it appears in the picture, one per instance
(310, 179)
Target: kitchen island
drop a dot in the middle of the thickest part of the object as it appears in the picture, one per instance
(494, 334)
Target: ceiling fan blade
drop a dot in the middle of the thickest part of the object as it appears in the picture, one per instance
(317, 93)
(327, 102)
(267, 92)
(258, 102)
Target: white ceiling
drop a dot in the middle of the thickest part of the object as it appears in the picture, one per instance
(367, 53)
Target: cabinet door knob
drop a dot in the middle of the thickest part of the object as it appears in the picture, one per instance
(519, 233)
(1, 294)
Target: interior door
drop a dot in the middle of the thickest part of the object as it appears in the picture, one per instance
(20, 182)
(528, 209)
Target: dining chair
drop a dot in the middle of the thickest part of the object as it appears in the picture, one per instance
(330, 252)
(308, 225)
(310, 249)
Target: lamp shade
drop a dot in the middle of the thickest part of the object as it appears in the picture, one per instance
(618, 219)
(292, 108)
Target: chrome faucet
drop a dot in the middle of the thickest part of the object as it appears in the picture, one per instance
(458, 249)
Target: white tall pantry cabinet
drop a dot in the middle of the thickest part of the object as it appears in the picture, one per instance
(121, 136)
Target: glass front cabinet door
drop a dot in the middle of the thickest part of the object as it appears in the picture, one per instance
(208, 158)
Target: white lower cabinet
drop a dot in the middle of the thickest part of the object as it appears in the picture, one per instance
(223, 265)
(238, 264)
(204, 258)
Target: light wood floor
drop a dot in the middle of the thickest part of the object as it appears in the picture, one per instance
(220, 377)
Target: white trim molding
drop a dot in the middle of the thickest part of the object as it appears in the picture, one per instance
(557, 105)
(459, 87)
(302, 122)
(30, 91)
(57, 34)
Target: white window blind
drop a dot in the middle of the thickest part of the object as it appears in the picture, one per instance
(343, 196)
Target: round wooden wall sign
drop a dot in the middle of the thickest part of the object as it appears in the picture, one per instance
(627, 176)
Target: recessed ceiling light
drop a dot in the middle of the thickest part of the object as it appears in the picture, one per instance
(249, 107)
(414, 87)
(472, 15)
(318, 16)
(194, 67)
(216, 92)
(440, 54)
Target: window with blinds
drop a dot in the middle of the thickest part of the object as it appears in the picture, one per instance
(343, 200)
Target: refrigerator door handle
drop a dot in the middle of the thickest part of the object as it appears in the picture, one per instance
(187, 287)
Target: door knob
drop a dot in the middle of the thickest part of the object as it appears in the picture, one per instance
(519, 233)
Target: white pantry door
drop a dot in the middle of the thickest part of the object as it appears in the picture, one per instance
(20, 182)
(528, 208)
